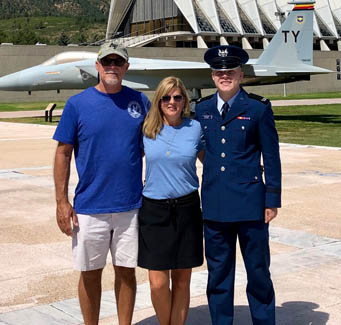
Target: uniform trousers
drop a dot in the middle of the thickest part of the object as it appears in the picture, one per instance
(220, 250)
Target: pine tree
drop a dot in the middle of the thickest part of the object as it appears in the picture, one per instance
(64, 39)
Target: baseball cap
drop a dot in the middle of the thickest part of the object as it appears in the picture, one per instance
(108, 48)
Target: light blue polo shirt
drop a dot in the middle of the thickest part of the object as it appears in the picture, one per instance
(171, 159)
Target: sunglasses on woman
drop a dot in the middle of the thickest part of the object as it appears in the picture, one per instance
(118, 62)
(177, 98)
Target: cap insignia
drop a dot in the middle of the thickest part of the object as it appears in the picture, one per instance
(223, 53)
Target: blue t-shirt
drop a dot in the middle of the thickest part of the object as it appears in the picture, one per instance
(105, 131)
(170, 161)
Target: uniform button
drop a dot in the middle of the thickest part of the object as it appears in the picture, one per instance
(222, 168)
(223, 140)
(243, 127)
(223, 128)
(223, 155)
(256, 177)
(205, 127)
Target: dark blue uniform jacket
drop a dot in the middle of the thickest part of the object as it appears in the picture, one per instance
(233, 188)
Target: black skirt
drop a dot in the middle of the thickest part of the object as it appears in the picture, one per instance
(170, 233)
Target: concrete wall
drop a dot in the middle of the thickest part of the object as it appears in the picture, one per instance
(17, 57)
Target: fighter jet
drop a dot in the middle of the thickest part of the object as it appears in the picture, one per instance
(287, 58)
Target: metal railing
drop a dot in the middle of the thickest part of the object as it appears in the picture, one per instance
(135, 37)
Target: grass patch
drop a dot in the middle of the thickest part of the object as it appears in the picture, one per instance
(305, 96)
(312, 125)
(315, 125)
(12, 107)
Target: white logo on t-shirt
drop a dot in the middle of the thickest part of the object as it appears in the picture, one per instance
(134, 109)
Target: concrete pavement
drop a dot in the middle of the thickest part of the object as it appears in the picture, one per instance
(38, 284)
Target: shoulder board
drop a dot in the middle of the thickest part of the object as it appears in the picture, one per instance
(261, 99)
(202, 99)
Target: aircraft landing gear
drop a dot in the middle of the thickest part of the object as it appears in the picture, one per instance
(194, 95)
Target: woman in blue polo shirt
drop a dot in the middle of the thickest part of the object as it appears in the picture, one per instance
(170, 221)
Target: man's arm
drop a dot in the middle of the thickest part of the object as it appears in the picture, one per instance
(65, 211)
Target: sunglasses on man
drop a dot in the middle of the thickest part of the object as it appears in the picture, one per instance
(177, 98)
(118, 62)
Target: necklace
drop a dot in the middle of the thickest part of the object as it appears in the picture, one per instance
(170, 141)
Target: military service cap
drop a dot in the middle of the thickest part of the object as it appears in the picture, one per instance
(225, 57)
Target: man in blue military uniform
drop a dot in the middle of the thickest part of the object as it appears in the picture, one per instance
(239, 130)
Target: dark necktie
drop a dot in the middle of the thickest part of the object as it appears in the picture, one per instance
(225, 108)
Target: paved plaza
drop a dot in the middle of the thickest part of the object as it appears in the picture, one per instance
(39, 287)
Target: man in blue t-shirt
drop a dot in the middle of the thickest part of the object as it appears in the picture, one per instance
(102, 126)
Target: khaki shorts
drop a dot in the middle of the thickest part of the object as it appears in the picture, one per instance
(97, 233)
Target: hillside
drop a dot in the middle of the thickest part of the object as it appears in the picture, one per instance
(53, 21)
(71, 8)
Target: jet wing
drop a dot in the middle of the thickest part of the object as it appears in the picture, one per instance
(300, 70)
(139, 64)
(146, 74)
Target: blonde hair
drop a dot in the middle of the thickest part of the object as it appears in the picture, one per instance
(154, 121)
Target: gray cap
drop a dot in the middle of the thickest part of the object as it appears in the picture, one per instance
(108, 48)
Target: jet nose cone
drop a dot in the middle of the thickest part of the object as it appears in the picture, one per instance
(10, 82)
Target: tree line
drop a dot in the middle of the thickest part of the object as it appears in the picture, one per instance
(60, 31)
(16, 18)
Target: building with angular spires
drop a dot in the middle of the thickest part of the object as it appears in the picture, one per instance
(204, 23)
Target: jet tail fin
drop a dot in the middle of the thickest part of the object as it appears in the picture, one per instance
(293, 42)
